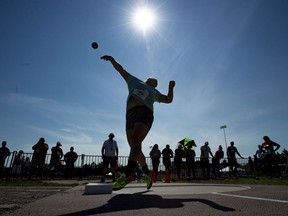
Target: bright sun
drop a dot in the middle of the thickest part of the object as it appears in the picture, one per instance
(144, 19)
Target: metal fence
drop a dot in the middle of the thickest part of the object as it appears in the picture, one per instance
(90, 166)
(87, 162)
(89, 159)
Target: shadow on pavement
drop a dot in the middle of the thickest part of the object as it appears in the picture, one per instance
(125, 202)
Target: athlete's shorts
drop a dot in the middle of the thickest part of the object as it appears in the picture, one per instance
(139, 114)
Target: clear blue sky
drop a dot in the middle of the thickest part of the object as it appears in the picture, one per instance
(229, 59)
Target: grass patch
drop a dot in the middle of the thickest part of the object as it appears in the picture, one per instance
(38, 183)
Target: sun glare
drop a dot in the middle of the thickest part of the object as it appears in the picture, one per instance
(144, 19)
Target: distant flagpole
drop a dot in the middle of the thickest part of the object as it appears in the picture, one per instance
(223, 127)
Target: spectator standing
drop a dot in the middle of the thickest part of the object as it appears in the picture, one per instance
(56, 155)
(4, 153)
(155, 155)
(256, 164)
(70, 158)
(179, 153)
(204, 159)
(25, 167)
(219, 154)
(270, 157)
(110, 156)
(167, 154)
(17, 164)
(232, 161)
(38, 158)
(251, 166)
(258, 159)
(259, 152)
(190, 161)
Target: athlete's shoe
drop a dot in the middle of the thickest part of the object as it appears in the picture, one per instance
(121, 182)
(148, 180)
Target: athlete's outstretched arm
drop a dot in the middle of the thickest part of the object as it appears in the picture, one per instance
(116, 65)
(169, 97)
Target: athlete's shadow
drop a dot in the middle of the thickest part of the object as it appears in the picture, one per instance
(124, 202)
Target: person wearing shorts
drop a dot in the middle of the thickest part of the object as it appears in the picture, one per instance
(232, 160)
(139, 119)
(110, 156)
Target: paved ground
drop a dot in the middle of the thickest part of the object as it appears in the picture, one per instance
(165, 199)
(15, 197)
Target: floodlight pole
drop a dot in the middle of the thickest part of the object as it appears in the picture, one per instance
(223, 127)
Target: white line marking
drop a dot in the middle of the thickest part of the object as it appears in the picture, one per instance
(248, 197)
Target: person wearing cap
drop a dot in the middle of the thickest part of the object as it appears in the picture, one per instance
(4, 153)
(232, 161)
(38, 158)
(56, 155)
(109, 153)
(219, 154)
(204, 159)
(139, 119)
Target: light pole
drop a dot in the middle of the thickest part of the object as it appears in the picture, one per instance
(223, 127)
